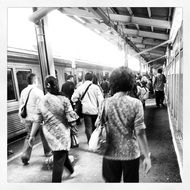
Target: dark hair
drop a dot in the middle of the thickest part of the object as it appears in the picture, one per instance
(95, 79)
(69, 76)
(159, 70)
(51, 85)
(88, 76)
(121, 80)
(30, 78)
(104, 77)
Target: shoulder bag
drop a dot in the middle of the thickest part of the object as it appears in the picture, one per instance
(78, 104)
(23, 112)
(97, 142)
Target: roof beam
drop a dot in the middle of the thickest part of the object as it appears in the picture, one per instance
(156, 59)
(149, 15)
(131, 13)
(132, 32)
(154, 54)
(150, 49)
(141, 21)
(80, 13)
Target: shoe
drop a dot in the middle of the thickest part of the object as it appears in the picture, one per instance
(49, 163)
(25, 161)
(163, 105)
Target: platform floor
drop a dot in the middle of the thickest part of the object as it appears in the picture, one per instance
(88, 165)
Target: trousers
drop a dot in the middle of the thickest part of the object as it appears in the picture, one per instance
(60, 159)
(27, 150)
(112, 170)
(89, 121)
(159, 95)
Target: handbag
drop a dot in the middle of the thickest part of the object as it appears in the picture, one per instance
(97, 142)
(78, 104)
(23, 112)
(74, 138)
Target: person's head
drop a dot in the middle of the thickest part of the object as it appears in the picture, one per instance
(88, 76)
(51, 85)
(95, 79)
(104, 78)
(121, 80)
(160, 70)
(70, 78)
(32, 78)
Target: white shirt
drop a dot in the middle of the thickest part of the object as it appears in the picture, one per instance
(34, 98)
(92, 100)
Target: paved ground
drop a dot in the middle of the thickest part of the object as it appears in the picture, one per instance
(88, 164)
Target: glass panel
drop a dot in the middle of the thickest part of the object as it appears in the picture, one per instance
(11, 94)
(21, 78)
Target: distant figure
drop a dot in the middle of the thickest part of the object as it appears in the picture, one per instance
(34, 95)
(105, 87)
(90, 104)
(143, 92)
(95, 79)
(125, 131)
(58, 116)
(159, 83)
(68, 87)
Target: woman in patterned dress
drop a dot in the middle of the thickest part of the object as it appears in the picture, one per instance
(58, 116)
(125, 131)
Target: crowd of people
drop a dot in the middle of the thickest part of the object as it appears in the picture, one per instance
(54, 115)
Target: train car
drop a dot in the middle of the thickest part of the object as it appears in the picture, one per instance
(20, 63)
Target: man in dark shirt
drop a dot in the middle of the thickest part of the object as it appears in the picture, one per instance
(68, 87)
(159, 83)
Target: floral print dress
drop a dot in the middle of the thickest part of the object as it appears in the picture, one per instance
(56, 113)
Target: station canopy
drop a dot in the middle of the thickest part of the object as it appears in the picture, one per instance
(141, 27)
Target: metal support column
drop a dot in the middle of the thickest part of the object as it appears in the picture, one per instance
(45, 56)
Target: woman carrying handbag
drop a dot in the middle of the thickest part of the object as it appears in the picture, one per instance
(125, 131)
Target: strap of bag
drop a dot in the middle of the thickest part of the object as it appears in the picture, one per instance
(27, 97)
(85, 91)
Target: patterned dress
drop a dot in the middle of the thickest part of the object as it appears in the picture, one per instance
(125, 116)
(56, 113)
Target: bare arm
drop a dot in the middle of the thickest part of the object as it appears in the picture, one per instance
(34, 129)
(142, 140)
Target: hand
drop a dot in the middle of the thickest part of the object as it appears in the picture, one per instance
(31, 141)
(147, 164)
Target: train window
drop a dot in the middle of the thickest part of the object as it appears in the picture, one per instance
(21, 78)
(11, 93)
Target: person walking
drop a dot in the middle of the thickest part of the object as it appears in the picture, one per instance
(34, 95)
(91, 103)
(159, 82)
(68, 87)
(125, 131)
(58, 116)
(105, 87)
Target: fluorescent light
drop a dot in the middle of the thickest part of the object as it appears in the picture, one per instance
(79, 19)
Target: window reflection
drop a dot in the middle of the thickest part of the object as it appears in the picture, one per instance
(11, 94)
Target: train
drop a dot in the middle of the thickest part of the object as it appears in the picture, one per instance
(20, 62)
